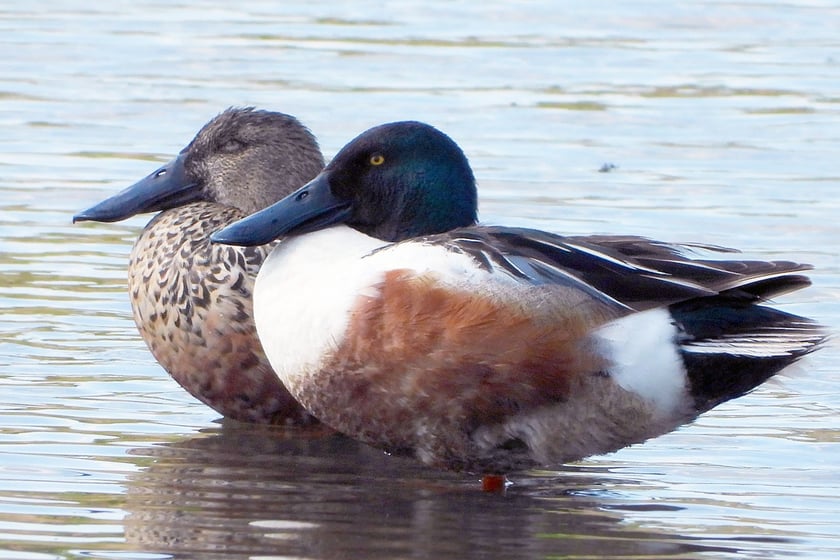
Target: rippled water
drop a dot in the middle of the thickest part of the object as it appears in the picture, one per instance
(722, 120)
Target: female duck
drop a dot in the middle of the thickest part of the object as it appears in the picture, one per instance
(493, 349)
(191, 300)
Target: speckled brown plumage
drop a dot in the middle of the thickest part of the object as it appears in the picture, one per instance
(192, 305)
(191, 299)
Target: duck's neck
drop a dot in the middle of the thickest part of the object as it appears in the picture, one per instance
(324, 248)
(437, 203)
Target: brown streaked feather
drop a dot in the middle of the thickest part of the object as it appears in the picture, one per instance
(191, 302)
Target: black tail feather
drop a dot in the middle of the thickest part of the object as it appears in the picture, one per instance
(729, 346)
(762, 290)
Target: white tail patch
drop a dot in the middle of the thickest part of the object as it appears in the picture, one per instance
(646, 360)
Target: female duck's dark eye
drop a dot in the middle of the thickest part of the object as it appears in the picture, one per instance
(377, 159)
(231, 146)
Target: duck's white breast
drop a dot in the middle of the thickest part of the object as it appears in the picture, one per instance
(307, 288)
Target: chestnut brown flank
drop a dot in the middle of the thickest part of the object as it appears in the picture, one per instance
(424, 357)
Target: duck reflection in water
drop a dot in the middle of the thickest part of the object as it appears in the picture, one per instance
(240, 491)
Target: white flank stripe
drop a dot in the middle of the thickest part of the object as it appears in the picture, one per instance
(646, 360)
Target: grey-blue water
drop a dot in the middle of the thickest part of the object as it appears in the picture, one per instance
(722, 120)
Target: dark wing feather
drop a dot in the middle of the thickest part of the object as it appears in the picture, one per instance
(634, 272)
(747, 278)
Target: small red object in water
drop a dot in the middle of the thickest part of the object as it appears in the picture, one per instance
(493, 483)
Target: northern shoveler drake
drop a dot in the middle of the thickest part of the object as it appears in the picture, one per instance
(493, 349)
(191, 299)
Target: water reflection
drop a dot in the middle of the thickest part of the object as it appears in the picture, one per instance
(237, 490)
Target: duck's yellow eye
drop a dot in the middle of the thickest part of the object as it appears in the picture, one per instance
(377, 159)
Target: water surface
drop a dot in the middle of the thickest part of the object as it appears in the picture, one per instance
(718, 122)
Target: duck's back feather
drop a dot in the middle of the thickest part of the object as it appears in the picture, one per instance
(626, 271)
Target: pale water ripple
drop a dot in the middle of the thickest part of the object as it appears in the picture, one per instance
(713, 121)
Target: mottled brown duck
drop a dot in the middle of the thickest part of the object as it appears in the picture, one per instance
(191, 299)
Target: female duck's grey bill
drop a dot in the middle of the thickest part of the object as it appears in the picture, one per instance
(166, 188)
(310, 208)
